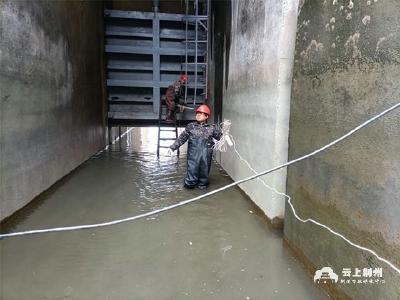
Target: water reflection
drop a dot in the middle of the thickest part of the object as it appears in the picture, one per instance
(211, 248)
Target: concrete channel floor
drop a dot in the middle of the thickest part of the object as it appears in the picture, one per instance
(212, 249)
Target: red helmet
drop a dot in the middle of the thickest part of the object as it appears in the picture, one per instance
(204, 109)
(183, 78)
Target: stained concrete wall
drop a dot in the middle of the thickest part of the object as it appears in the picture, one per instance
(52, 111)
(347, 69)
(253, 76)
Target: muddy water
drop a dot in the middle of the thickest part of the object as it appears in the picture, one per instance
(213, 249)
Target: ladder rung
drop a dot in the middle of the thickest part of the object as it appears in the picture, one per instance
(163, 146)
(167, 139)
(194, 17)
(167, 129)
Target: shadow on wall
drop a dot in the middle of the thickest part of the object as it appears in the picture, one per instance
(221, 39)
(227, 38)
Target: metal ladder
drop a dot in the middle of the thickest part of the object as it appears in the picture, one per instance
(201, 23)
(164, 126)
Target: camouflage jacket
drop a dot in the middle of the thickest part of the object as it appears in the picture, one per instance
(196, 130)
(175, 92)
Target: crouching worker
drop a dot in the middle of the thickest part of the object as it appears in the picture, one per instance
(200, 147)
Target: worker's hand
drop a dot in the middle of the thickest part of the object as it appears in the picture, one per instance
(170, 152)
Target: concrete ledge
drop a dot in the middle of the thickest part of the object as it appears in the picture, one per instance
(274, 223)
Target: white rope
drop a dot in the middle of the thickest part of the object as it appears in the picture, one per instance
(256, 175)
(312, 220)
(225, 138)
(114, 141)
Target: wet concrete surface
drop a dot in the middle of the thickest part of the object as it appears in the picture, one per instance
(217, 248)
(51, 94)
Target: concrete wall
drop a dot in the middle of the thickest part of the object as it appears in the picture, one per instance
(254, 73)
(52, 114)
(347, 68)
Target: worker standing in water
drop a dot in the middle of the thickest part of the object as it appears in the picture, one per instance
(200, 137)
(173, 95)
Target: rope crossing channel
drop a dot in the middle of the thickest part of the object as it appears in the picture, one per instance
(255, 176)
